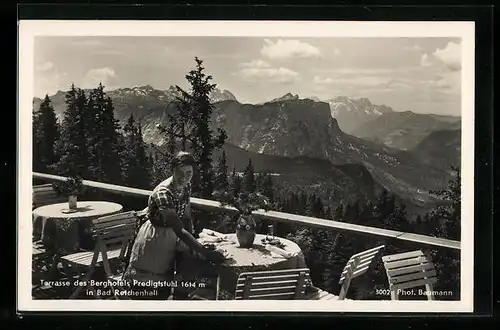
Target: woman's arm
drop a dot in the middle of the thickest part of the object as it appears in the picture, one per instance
(170, 217)
(188, 219)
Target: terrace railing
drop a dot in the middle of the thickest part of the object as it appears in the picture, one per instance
(281, 217)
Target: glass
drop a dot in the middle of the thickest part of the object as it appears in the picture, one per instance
(270, 232)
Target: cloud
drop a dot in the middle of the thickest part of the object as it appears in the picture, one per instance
(352, 71)
(440, 84)
(451, 56)
(259, 70)
(354, 81)
(323, 81)
(401, 84)
(414, 48)
(256, 64)
(48, 79)
(425, 61)
(424, 87)
(285, 49)
(95, 76)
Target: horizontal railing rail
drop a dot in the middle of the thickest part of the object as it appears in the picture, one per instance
(293, 219)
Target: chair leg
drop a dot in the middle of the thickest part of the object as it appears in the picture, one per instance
(429, 289)
(86, 279)
(344, 288)
(52, 265)
(217, 290)
(394, 293)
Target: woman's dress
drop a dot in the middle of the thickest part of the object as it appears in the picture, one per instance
(154, 250)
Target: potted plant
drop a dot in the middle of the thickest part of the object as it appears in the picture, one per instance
(245, 203)
(72, 188)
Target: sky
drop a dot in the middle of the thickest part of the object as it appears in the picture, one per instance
(422, 75)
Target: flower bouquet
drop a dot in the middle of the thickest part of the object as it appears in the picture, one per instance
(72, 188)
(245, 203)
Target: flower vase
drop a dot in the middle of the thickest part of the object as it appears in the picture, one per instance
(72, 200)
(246, 231)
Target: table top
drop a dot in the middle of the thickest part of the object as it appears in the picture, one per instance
(258, 255)
(84, 209)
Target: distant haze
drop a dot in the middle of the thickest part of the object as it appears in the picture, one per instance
(416, 74)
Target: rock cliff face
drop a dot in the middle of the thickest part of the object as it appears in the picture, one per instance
(291, 127)
(295, 128)
(287, 128)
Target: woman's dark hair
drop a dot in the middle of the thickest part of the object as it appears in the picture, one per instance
(182, 159)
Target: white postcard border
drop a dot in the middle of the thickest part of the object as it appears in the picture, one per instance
(29, 29)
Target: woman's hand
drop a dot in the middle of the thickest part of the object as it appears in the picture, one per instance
(215, 256)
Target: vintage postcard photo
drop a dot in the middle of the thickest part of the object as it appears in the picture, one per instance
(246, 166)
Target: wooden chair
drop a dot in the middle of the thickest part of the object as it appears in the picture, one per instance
(45, 195)
(40, 259)
(356, 266)
(275, 284)
(113, 235)
(279, 281)
(409, 270)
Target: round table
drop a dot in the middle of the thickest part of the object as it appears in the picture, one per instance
(258, 257)
(241, 260)
(68, 232)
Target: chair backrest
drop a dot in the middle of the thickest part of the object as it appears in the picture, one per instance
(116, 229)
(45, 195)
(357, 265)
(275, 284)
(113, 231)
(409, 270)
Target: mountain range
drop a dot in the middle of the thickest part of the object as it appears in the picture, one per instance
(406, 129)
(307, 141)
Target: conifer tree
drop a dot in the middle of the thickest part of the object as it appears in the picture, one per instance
(366, 216)
(104, 142)
(446, 221)
(449, 214)
(328, 212)
(302, 203)
(339, 212)
(46, 133)
(72, 146)
(136, 166)
(191, 127)
(160, 166)
(236, 184)
(267, 187)
(249, 183)
(221, 175)
(143, 162)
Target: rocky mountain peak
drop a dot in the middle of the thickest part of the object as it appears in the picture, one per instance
(286, 97)
(145, 88)
(351, 113)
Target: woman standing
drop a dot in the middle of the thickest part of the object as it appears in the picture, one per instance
(154, 250)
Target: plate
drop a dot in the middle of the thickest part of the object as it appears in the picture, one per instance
(68, 211)
(271, 241)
